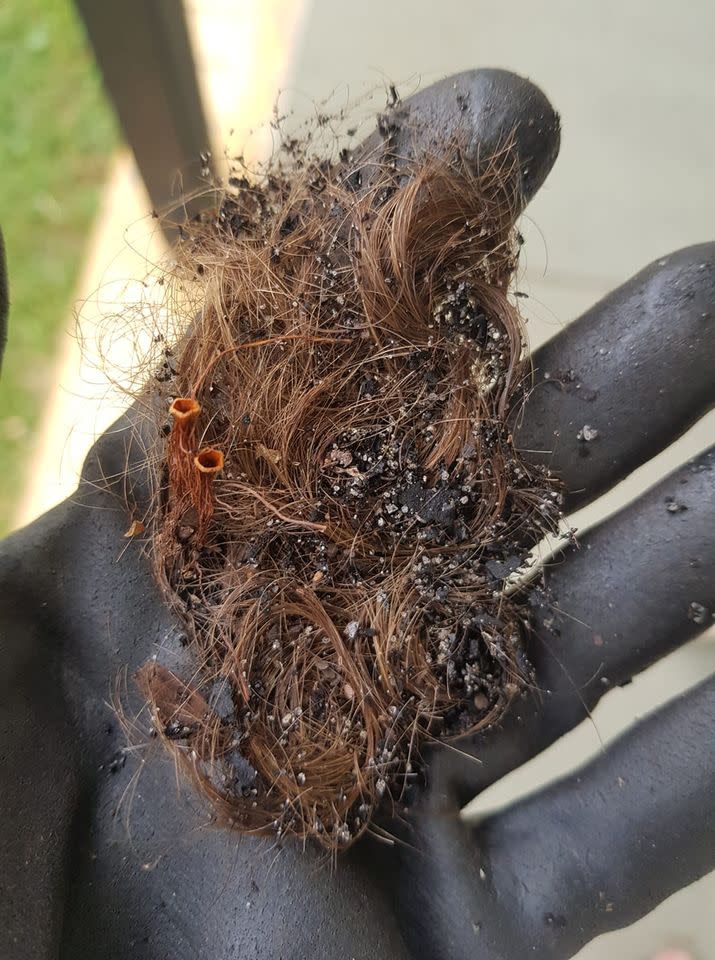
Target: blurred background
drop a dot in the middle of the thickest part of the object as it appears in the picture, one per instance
(106, 106)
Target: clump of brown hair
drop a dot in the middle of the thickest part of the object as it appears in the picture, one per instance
(339, 494)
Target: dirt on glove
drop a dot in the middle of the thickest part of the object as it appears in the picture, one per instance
(338, 499)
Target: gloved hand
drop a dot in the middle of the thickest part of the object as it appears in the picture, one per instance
(104, 856)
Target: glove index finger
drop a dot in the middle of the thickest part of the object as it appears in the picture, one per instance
(486, 111)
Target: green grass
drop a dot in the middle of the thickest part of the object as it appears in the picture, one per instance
(57, 132)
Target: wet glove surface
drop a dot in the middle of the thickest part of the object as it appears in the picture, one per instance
(105, 858)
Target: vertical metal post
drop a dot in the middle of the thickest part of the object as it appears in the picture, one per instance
(144, 52)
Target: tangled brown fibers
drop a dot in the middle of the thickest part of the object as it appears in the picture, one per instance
(337, 485)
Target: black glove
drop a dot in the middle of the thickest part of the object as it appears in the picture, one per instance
(104, 857)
